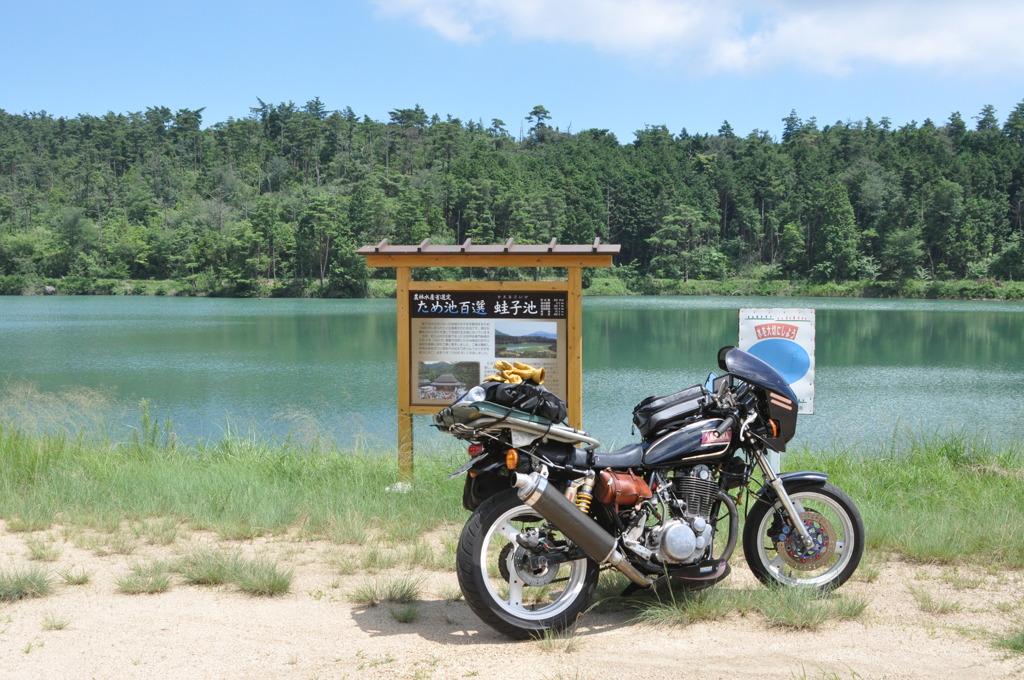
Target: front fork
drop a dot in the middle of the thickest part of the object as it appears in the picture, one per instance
(776, 483)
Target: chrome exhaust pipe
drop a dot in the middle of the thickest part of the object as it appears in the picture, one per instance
(579, 528)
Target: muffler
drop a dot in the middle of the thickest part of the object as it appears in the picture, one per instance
(578, 527)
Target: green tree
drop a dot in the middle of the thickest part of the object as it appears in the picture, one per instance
(74, 239)
(682, 246)
(1014, 125)
(321, 224)
(835, 254)
(792, 254)
(902, 253)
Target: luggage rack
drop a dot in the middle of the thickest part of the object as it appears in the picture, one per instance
(466, 420)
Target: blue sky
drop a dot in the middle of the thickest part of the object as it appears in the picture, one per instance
(614, 64)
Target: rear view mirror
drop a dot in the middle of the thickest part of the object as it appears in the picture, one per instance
(721, 356)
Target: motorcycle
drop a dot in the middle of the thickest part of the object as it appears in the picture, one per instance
(550, 511)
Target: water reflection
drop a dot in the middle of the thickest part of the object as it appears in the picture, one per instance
(274, 367)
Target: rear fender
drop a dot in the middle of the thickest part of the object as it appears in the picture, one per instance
(480, 487)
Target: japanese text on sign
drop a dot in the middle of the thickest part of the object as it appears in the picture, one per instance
(525, 305)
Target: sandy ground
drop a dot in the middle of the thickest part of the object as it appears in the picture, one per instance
(315, 631)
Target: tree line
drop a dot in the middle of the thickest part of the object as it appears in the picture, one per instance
(286, 193)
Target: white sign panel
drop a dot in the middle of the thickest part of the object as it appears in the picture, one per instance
(784, 339)
(457, 336)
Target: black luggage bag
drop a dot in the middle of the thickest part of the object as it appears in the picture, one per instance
(654, 416)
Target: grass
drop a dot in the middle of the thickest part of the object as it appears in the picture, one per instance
(450, 594)
(406, 614)
(41, 550)
(162, 531)
(564, 642)
(791, 608)
(147, 578)
(404, 589)
(53, 621)
(961, 581)
(1014, 643)
(804, 609)
(682, 610)
(400, 593)
(207, 567)
(75, 577)
(21, 584)
(933, 605)
(917, 495)
(260, 575)
(147, 489)
(151, 487)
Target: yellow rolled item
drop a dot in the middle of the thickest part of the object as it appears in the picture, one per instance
(527, 372)
(505, 377)
(516, 373)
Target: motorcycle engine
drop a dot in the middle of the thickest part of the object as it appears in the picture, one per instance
(683, 539)
(680, 542)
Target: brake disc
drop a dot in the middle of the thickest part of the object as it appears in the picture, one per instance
(807, 558)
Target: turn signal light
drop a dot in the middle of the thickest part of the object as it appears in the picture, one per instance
(475, 450)
(511, 459)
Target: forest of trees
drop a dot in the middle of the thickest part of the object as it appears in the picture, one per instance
(287, 193)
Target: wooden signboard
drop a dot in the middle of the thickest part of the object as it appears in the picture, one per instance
(451, 332)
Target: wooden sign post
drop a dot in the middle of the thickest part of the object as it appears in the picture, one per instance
(471, 320)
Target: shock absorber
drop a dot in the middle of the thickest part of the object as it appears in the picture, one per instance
(585, 495)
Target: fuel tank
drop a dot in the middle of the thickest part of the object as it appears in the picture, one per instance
(694, 443)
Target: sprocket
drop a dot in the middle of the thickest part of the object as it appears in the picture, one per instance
(521, 560)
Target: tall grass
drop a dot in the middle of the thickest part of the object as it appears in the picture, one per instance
(934, 498)
(236, 487)
(943, 499)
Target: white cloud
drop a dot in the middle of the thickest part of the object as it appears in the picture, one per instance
(744, 35)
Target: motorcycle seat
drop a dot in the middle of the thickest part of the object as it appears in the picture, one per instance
(631, 456)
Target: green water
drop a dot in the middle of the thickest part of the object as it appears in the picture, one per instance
(310, 367)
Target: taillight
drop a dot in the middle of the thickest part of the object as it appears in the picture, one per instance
(475, 450)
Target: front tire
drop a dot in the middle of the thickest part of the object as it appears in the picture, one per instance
(499, 585)
(777, 558)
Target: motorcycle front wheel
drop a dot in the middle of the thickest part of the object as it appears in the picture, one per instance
(499, 583)
(776, 556)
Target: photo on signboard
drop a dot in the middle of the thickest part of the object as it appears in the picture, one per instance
(446, 380)
(525, 339)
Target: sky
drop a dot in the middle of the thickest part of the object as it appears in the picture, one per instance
(619, 65)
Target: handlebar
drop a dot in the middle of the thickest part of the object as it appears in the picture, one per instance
(727, 424)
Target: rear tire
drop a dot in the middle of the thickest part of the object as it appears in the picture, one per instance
(503, 591)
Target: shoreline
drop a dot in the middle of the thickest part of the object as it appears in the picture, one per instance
(606, 286)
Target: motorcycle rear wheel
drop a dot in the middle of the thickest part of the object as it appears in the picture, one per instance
(501, 588)
(834, 522)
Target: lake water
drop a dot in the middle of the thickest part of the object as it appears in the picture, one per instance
(885, 369)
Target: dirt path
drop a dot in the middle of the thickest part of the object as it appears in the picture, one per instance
(315, 631)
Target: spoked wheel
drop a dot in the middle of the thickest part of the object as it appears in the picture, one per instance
(520, 590)
(775, 553)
